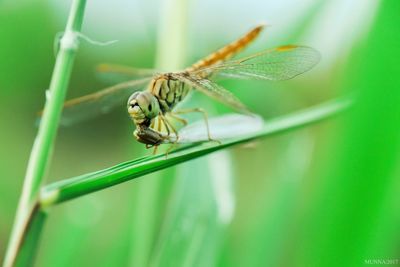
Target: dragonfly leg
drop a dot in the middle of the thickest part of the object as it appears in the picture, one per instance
(154, 146)
(173, 144)
(163, 121)
(176, 117)
(205, 117)
(169, 126)
(159, 124)
(148, 146)
(155, 149)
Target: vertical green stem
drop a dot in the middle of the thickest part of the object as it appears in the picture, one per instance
(171, 51)
(172, 35)
(28, 212)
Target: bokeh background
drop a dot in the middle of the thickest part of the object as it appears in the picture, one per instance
(326, 195)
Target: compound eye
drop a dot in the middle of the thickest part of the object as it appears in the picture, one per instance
(133, 104)
(132, 101)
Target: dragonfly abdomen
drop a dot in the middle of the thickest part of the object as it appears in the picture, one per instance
(227, 51)
(169, 92)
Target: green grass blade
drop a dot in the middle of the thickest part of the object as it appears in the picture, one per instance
(74, 187)
(170, 55)
(28, 250)
(197, 214)
(42, 147)
(353, 220)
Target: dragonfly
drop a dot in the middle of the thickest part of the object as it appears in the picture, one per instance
(153, 96)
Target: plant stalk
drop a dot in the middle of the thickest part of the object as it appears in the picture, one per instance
(170, 56)
(28, 211)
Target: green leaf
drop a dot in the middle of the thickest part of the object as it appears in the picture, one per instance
(29, 247)
(84, 184)
(354, 216)
(201, 206)
(41, 151)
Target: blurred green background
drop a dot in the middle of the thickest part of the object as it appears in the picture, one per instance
(326, 195)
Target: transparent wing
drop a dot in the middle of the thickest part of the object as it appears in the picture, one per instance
(88, 106)
(212, 90)
(112, 74)
(223, 127)
(280, 63)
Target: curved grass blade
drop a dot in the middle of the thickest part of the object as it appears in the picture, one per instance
(81, 185)
(200, 208)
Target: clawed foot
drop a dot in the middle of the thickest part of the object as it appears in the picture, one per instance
(214, 140)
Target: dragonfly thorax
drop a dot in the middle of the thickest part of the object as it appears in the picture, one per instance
(143, 107)
(169, 91)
